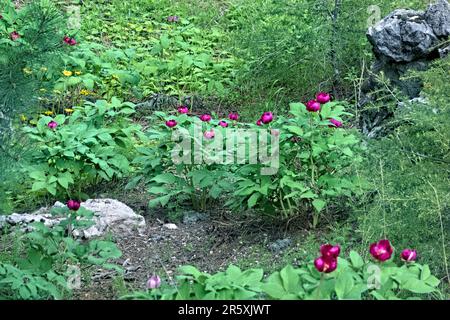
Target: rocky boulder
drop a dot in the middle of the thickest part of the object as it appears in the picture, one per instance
(408, 40)
(109, 216)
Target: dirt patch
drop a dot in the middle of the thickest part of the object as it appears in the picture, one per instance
(209, 245)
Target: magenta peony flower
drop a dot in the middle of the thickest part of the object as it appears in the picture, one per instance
(330, 251)
(205, 117)
(323, 97)
(52, 125)
(267, 117)
(325, 264)
(233, 116)
(209, 134)
(409, 255)
(312, 106)
(259, 122)
(335, 123)
(171, 123)
(183, 109)
(70, 41)
(223, 124)
(14, 35)
(73, 205)
(381, 250)
(154, 282)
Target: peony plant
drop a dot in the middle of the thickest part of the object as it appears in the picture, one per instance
(317, 154)
(328, 277)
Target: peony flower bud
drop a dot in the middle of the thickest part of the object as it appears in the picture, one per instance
(183, 109)
(154, 282)
(323, 97)
(223, 124)
(335, 123)
(73, 205)
(209, 134)
(259, 122)
(205, 117)
(381, 250)
(267, 117)
(233, 116)
(312, 106)
(171, 123)
(409, 255)
(52, 125)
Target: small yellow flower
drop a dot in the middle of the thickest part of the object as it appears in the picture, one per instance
(43, 90)
(56, 91)
(48, 113)
(27, 71)
(67, 73)
(85, 92)
(33, 122)
(68, 110)
(23, 118)
(44, 69)
(77, 73)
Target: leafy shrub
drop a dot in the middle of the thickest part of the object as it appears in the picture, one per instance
(171, 182)
(315, 165)
(74, 151)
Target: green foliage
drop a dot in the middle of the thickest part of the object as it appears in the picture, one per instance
(409, 174)
(354, 280)
(40, 270)
(177, 59)
(96, 68)
(93, 143)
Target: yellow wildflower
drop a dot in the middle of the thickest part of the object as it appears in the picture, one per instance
(85, 92)
(23, 118)
(48, 113)
(77, 73)
(43, 90)
(44, 69)
(67, 73)
(27, 71)
(68, 110)
(33, 122)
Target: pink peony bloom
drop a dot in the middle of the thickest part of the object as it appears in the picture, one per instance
(267, 117)
(381, 250)
(223, 124)
(233, 116)
(330, 251)
(52, 125)
(183, 109)
(209, 134)
(171, 123)
(73, 205)
(154, 282)
(323, 97)
(325, 264)
(312, 106)
(409, 255)
(205, 117)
